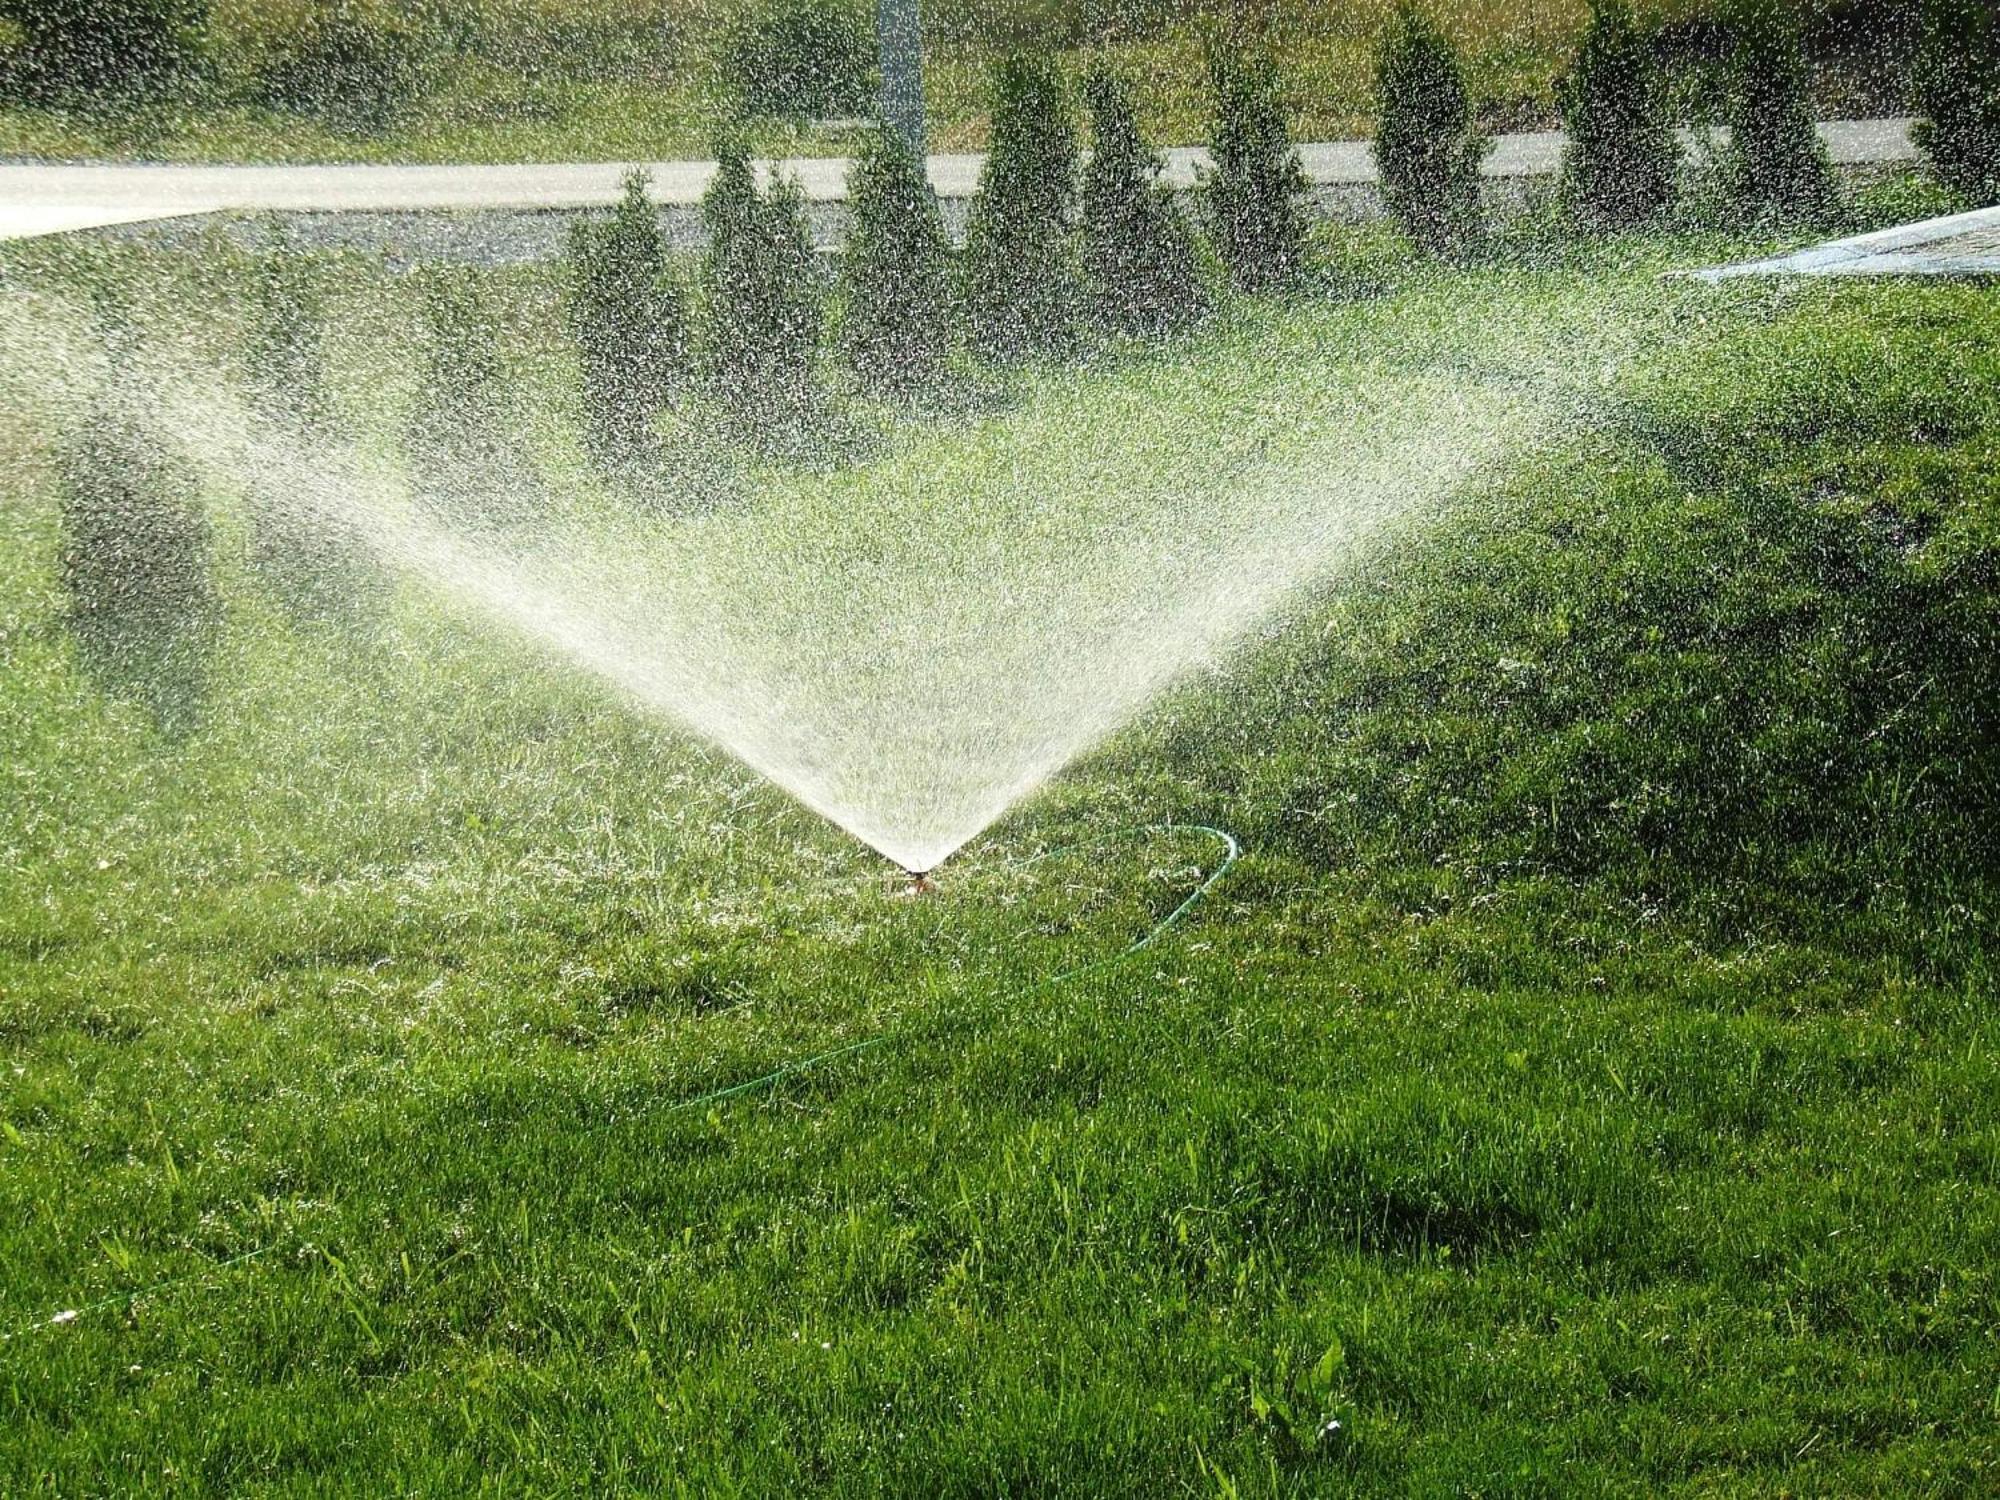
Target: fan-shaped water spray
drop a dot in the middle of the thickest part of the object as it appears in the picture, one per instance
(911, 647)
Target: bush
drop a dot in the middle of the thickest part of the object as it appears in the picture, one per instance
(316, 563)
(764, 310)
(1138, 254)
(1957, 87)
(134, 561)
(1621, 159)
(805, 59)
(1023, 285)
(282, 354)
(1256, 191)
(352, 64)
(1776, 161)
(629, 322)
(467, 471)
(83, 53)
(896, 327)
(1426, 144)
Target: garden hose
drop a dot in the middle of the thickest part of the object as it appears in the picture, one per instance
(1231, 852)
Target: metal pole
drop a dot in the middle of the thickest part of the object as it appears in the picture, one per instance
(900, 28)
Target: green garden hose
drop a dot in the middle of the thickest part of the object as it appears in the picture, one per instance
(1231, 851)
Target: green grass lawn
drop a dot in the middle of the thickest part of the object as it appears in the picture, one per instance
(1583, 1085)
(561, 80)
(487, 115)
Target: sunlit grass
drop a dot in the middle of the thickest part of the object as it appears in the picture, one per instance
(1582, 1086)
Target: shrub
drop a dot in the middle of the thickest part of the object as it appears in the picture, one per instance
(83, 53)
(1138, 254)
(804, 59)
(1426, 144)
(467, 472)
(1256, 191)
(764, 310)
(1957, 87)
(1621, 158)
(134, 561)
(316, 563)
(354, 65)
(1023, 285)
(629, 322)
(1775, 161)
(896, 327)
(282, 354)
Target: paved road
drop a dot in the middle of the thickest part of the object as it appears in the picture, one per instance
(50, 198)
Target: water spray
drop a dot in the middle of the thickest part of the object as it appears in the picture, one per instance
(915, 689)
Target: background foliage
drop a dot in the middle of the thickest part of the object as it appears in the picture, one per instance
(526, 79)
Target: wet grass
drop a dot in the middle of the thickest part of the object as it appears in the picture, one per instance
(1583, 1085)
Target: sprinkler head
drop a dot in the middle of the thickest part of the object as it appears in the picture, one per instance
(920, 883)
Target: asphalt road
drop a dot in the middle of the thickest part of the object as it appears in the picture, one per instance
(55, 197)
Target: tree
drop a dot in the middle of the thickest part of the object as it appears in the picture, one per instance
(1256, 191)
(1427, 147)
(1620, 163)
(134, 559)
(282, 352)
(765, 311)
(1023, 284)
(896, 326)
(629, 322)
(1138, 254)
(1776, 161)
(83, 53)
(467, 470)
(317, 563)
(1958, 97)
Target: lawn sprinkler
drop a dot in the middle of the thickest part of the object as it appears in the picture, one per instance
(920, 884)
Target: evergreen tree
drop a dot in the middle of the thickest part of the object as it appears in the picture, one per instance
(1427, 147)
(1958, 97)
(316, 563)
(282, 354)
(467, 469)
(1256, 191)
(896, 329)
(1023, 284)
(765, 311)
(1776, 160)
(629, 323)
(1138, 254)
(1621, 159)
(134, 560)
